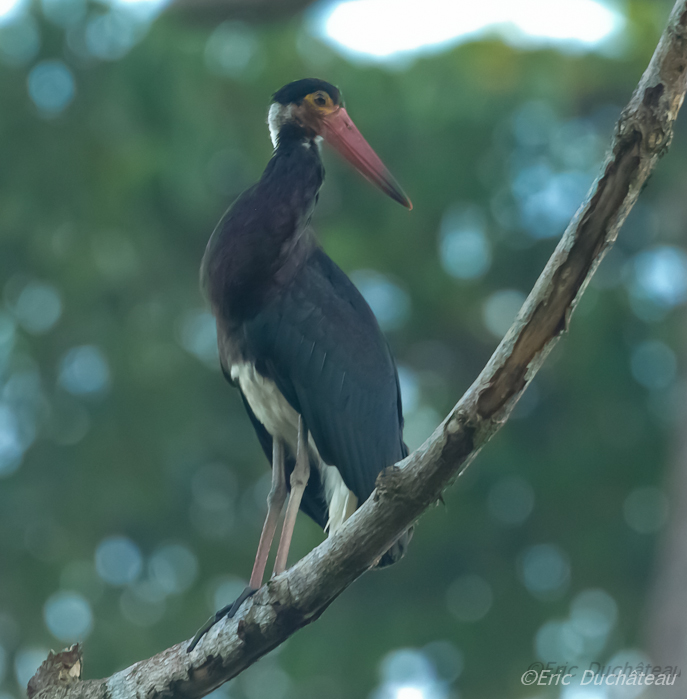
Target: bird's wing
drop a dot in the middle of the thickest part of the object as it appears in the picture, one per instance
(321, 344)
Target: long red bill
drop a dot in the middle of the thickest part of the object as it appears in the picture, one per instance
(342, 134)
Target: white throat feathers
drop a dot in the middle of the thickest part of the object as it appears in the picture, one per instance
(280, 114)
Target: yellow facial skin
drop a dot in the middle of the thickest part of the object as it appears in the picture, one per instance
(314, 108)
(320, 102)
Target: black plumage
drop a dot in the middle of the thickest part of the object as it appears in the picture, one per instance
(282, 304)
(295, 335)
(294, 92)
(320, 343)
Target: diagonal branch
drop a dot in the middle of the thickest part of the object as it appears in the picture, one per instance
(298, 596)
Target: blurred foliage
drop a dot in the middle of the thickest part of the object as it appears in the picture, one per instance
(119, 437)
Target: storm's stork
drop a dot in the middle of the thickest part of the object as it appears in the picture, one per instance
(296, 337)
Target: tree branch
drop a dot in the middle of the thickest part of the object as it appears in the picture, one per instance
(404, 492)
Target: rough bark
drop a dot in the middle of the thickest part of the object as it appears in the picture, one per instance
(300, 595)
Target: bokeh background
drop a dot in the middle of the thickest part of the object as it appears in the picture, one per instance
(132, 488)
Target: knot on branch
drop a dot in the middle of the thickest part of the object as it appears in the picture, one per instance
(61, 670)
(658, 129)
(652, 96)
(459, 433)
(389, 485)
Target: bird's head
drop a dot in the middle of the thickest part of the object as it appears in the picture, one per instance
(317, 108)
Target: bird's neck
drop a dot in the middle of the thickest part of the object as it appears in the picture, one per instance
(293, 176)
(262, 239)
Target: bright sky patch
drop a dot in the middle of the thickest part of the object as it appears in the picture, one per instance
(380, 29)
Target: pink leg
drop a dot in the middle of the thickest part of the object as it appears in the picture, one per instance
(299, 479)
(275, 502)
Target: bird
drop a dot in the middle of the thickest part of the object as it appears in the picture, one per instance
(297, 338)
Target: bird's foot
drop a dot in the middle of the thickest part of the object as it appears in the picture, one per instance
(229, 611)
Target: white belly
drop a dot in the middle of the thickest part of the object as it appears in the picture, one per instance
(281, 420)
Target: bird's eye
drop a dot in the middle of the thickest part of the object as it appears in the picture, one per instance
(320, 100)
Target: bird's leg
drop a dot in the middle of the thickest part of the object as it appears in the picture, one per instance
(299, 479)
(275, 503)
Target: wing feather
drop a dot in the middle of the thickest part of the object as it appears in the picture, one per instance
(321, 344)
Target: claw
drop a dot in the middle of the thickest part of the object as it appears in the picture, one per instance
(229, 611)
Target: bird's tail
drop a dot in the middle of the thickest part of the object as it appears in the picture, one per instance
(397, 550)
